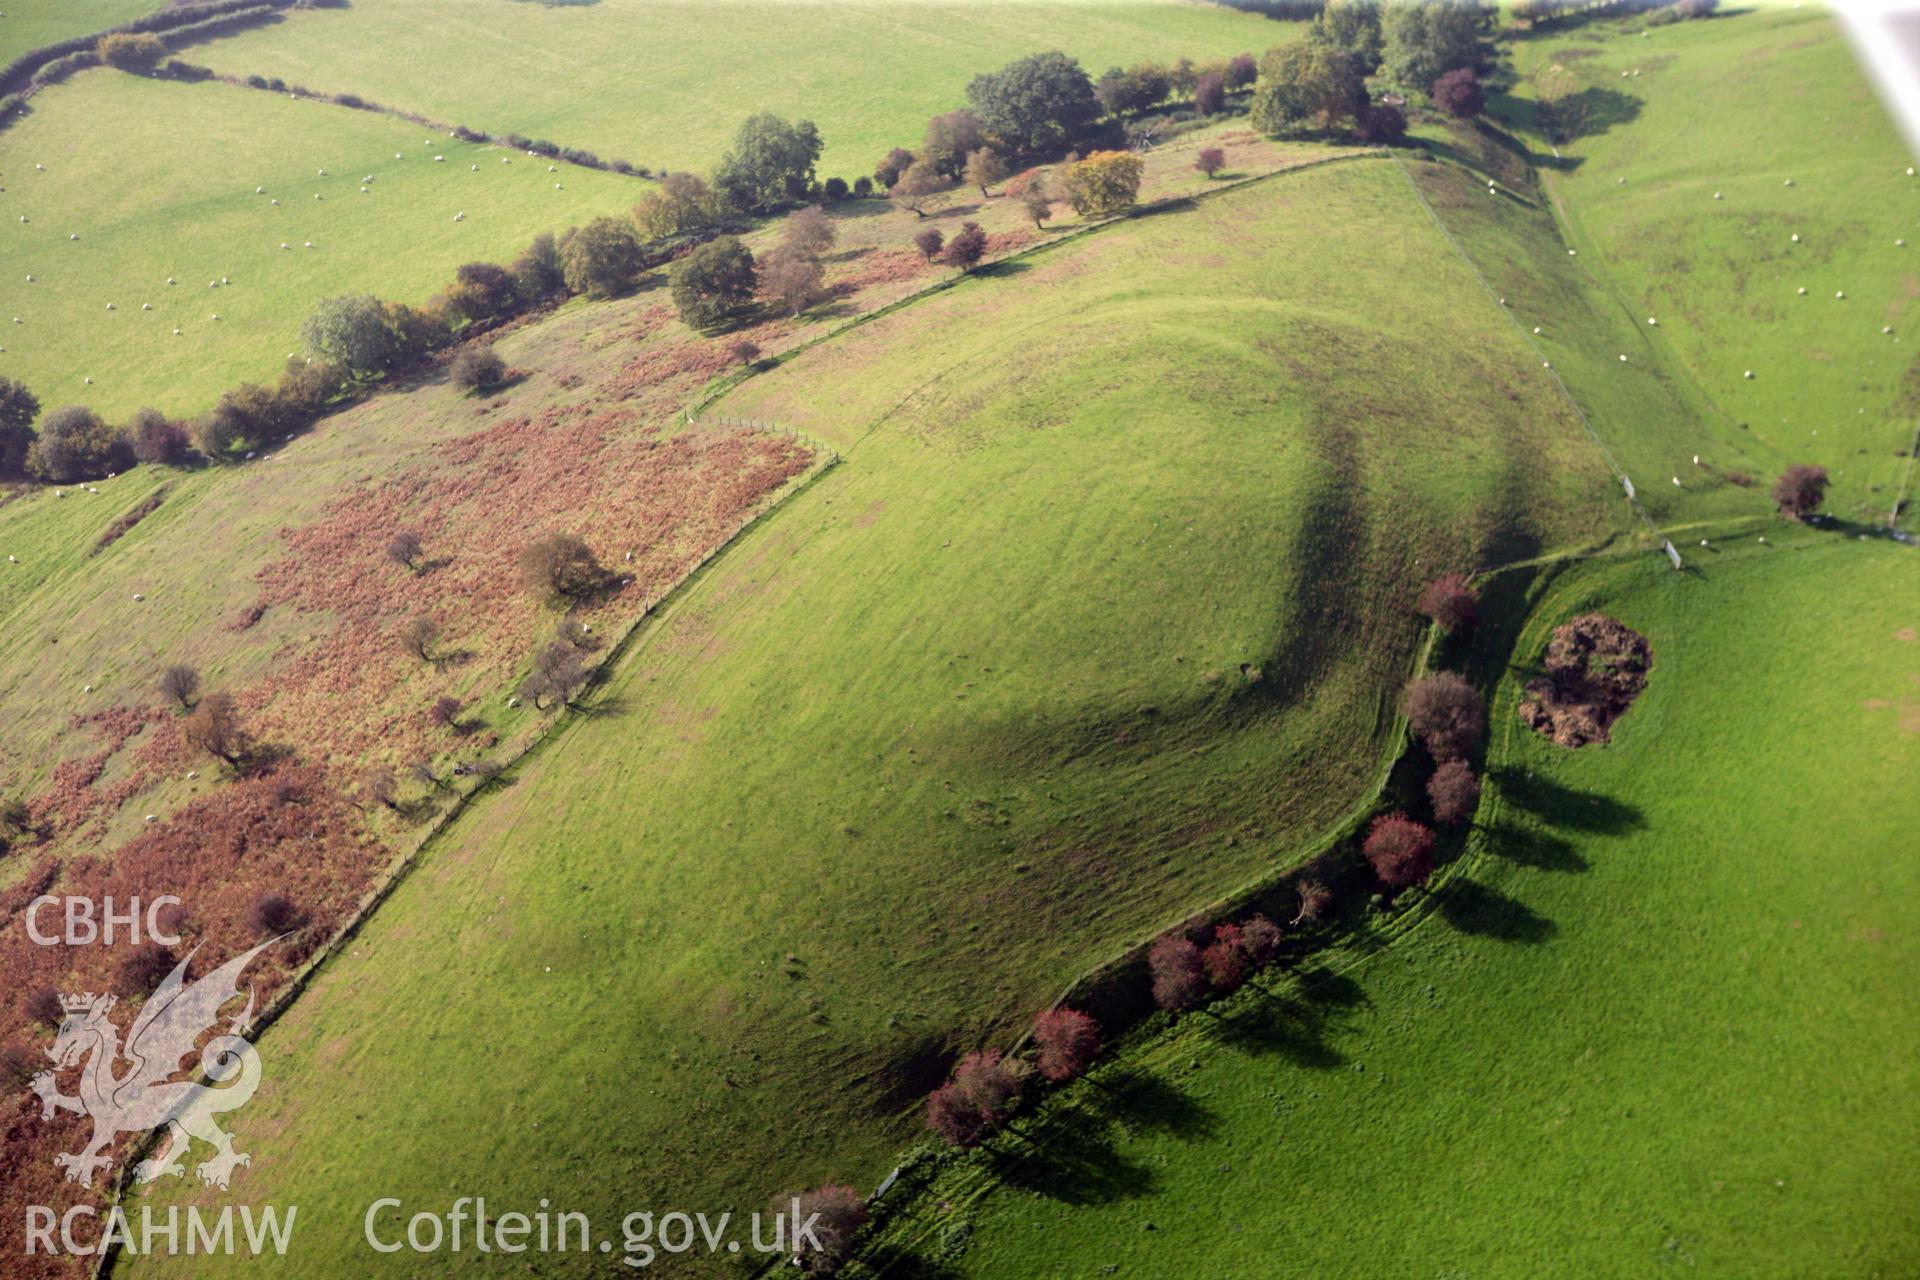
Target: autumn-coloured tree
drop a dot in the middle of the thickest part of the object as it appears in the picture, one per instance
(445, 712)
(1210, 161)
(1800, 490)
(1451, 601)
(837, 1213)
(792, 278)
(888, 171)
(143, 969)
(1224, 960)
(809, 230)
(743, 351)
(1260, 940)
(478, 368)
(557, 674)
(44, 1007)
(1242, 70)
(984, 168)
(1067, 1041)
(968, 246)
(1210, 93)
(1446, 714)
(407, 550)
(1315, 899)
(1179, 980)
(1382, 124)
(713, 282)
(974, 1100)
(1104, 183)
(275, 913)
(178, 683)
(681, 203)
(1399, 850)
(418, 635)
(563, 566)
(1458, 93)
(913, 187)
(1454, 791)
(157, 439)
(929, 242)
(381, 788)
(215, 728)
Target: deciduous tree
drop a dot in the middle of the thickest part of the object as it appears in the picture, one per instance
(602, 258)
(836, 1213)
(929, 241)
(792, 278)
(406, 549)
(1179, 979)
(563, 567)
(1307, 85)
(1210, 93)
(1446, 714)
(178, 683)
(771, 162)
(1104, 183)
(1210, 160)
(984, 168)
(1036, 104)
(1451, 601)
(18, 408)
(968, 246)
(1800, 490)
(1399, 850)
(919, 181)
(215, 728)
(1454, 792)
(1458, 93)
(975, 1100)
(713, 282)
(1066, 1040)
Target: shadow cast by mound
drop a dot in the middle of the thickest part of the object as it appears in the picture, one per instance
(1472, 907)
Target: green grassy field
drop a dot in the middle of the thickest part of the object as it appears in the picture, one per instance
(1766, 109)
(29, 24)
(1656, 1021)
(158, 180)
(960, 720)
(665, 83)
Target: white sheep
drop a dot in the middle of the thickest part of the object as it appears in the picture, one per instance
(1789, 181)
(88, 689)
(1839, 293)
(153, 817)
(16, 559)
(1703, 542)
(556, 186)
(109, 306)
(1716, 195)
(23, 217)
(216, 316)
(309, 244)
(1796, 237)
(146, 306)
(137, 597)
(1572, 252)
(396, 155)
(323, 173)
(1803, 291)
(1623, 359)
(1677, 484)
(176, 333)
(259, 191)
(285, 245)
(439, 159)
(1696, 459)
(192, 774)
(1536, 328)
(316, 195)
(1886, 328)
(368, 178)
(169, 279)
(476, 168)
(276, 202)
(40, 168)
(553, 168)
(1749, 374)
(1763, 539)
(224, 280)
(1651, 320)
(89, 382)
(74, 236)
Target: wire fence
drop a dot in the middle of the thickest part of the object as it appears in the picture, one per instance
(820, 447)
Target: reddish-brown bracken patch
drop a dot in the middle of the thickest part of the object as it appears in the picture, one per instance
(1596, 667)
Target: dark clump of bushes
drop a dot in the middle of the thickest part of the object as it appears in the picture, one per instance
(477, 369)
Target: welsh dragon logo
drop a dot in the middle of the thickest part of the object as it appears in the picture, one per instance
(142, 1097)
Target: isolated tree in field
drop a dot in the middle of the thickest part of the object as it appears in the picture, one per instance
(1399, 850)
(1422, 40)
(682, 202)
(143, 969)
(984, 168)
(569, 630)
(1104, 183)
(1066, 1040)
(418, 636)
(743, 351)
(713, 282)
(837, 1214)
(1224, 959)
(1454, 792)
(1038, 200)
(1305, 86)
(1210, 93)
(215, 728)
(563, 567)
(445, 712)
(1446, 714)
(157, 439)
(132, 51)
(1382, 125)
(810, 231)
(929, 242)
(791, 278)
(1458, 93)
(1036, 104)
(380, 787)
(178, 683)
(275, 914)
(18, 408)
(1451, 601)
(834, 189)
(478, 368)
(897, 162)
(919, 181)
(1800, 490)
(407, 550)
(601, 259)
(771, 162)
(1260, 940)
(950, 138)
(1179, 979)
(1315, 899)
(1351, 27)
(968, 246)
(974, 1100)
(75, 444)
(557, 674)
(1210, 161)
(351, 330)
(1242, 70)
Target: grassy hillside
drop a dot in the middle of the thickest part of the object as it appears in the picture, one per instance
(665, 83)
(1658, 1020)
(1766, 109)
(158, 180)
(29, 24)
(963, 718)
